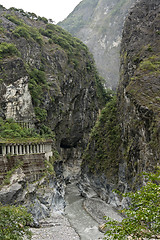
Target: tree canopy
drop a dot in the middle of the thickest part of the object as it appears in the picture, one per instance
(14, 223)
(142, 218)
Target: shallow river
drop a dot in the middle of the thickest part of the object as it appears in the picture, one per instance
(82, 221)
(76, 223)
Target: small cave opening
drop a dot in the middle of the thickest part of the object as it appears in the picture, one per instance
(67, 143)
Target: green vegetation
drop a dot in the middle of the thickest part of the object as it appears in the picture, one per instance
(8, 49)
(46, 131)
(9, 173)
(50, 166)
(101, 154)
(23, 30)
(41, 114)
(14, 19)
(9, 129)
(37, 86)
(29, 15)
(28, 33)
(14, 223)
(103, 95)
(71, 45)
(142, 218)
(151, 64)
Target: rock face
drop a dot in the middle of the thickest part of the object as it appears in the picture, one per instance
(138, 94)
(137, 113)
(99, 24)
(15, 98)
(47, 79)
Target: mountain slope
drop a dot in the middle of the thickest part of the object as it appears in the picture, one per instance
(125, 140)
(99, 24)
(48, 81)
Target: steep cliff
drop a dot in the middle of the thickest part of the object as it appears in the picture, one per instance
(47, 80)
(99, 25)
(138, 93)
(125, 140)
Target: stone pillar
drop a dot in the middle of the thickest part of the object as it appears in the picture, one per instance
(28, 149)
(34, 149)
(12, 149)
(20, 149)
(37, 148)
(16, 152)
(4, 150)
(8, 149)
(24, 150)
(40, 148)
(43, 147)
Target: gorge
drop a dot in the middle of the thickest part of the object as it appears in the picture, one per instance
(99, 141)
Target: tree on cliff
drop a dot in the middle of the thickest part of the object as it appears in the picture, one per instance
(14, 223)
(142, 218)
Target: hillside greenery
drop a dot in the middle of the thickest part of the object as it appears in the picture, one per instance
(142, 218)
(14, 223)
(101, 154)
(37, 86)
(8, 49)
(10, 131)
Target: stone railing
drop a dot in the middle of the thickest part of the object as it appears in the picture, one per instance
(25, 124)
(26, 148)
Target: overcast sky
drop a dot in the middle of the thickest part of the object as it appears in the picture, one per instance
(57, 10)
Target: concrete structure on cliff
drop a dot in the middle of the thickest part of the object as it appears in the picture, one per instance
(31, 155)
(26, 148)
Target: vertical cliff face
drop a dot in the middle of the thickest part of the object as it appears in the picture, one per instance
(47, 78)
(139, 89)
(16, 100)
(125, 140)
(99, 25)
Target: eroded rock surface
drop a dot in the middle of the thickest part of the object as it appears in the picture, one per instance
(99, 25)
(136, 114)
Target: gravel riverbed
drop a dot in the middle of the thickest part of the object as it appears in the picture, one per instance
(57, 227)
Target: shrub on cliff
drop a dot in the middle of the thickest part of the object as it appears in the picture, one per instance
(102, 151)
(13, 223)
(9, 129)
(142, 218)
(7, 49)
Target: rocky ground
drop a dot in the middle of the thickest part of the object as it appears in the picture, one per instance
(56, 227)
(83, 218)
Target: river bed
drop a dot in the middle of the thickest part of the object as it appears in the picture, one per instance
(80, 220)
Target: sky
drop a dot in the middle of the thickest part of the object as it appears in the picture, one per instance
(57, 10)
